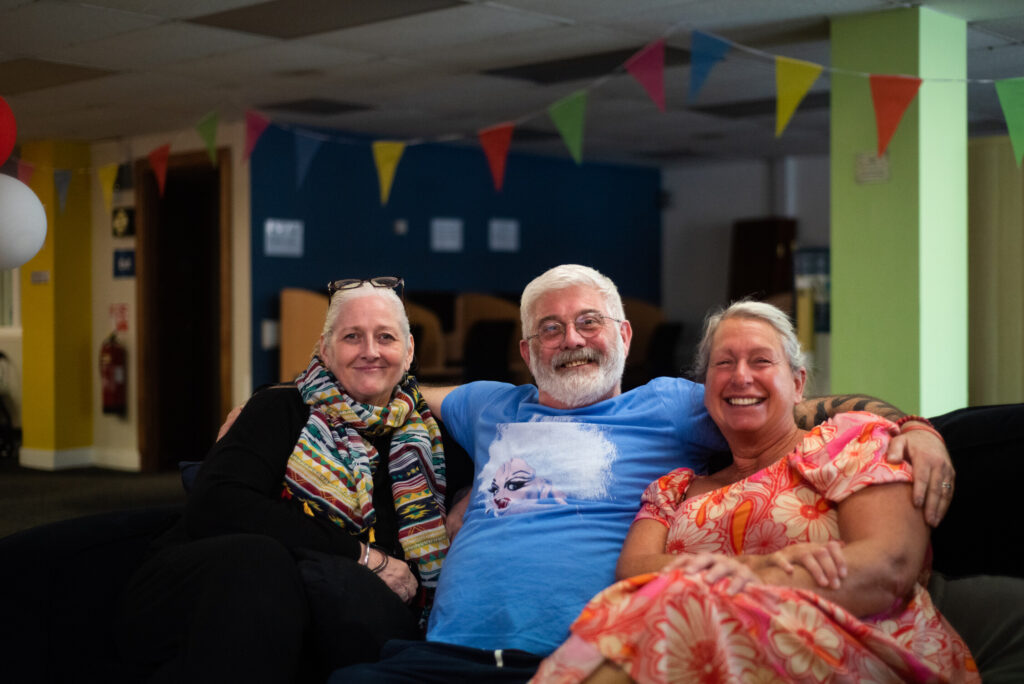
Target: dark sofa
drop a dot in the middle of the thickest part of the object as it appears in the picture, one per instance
(58, 582)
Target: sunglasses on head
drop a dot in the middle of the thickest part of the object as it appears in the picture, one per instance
(390, 282)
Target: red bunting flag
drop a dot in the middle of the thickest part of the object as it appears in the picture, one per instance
(891, 96)
(8, 130)
(648, 67)
(158, 160)
(255, 124)
(25, 171)
(495, 141)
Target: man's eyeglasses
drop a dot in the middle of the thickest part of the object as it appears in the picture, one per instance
(390, 282)
(551, 333)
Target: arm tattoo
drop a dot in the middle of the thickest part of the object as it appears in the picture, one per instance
(810, 412)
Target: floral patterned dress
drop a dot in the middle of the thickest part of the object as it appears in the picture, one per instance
(672, 627)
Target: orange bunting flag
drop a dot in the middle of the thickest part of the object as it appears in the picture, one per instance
(793, 78)
(648, 68)
(891, 96)
(255, 124)
(25, 171)
(495, 141)
(1011, 98)
(158, 160)
(568, 115)
(207, 128)
(386, 155)
(107, 175)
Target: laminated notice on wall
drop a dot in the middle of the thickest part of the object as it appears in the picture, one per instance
(503, 235)
(283, 237)
(446, 235)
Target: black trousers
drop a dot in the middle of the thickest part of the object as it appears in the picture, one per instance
(240, 607)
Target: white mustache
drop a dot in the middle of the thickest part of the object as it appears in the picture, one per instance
(582, 354)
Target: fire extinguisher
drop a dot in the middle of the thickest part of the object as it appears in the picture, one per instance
(114, 376)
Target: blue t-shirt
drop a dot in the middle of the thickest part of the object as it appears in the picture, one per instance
(553, 496)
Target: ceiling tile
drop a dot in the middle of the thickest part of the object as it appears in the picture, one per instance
(174, 9)
(40, 28)
(445, 28)
(157, 45)
(289, 60)
(285, 19)
(25, 75)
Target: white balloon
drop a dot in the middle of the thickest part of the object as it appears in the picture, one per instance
(22, 223)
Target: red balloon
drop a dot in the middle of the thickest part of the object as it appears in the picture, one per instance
(8, 130)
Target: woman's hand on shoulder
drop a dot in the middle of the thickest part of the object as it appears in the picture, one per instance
(395, 573)
(716, 566)
(825, 562)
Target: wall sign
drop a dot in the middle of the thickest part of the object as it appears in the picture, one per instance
(446, 235)
(124, 263)
(283, 237)
(503, 235)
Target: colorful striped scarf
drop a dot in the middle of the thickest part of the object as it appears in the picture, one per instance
(330, 469)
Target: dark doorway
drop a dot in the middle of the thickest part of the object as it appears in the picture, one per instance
(183, 283)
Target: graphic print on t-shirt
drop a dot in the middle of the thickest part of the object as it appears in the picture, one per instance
(544, 463)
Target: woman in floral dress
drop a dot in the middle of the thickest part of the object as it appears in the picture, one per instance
(803, 560)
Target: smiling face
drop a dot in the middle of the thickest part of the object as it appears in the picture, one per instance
(581, 370)
(750, 389)
(365, 349)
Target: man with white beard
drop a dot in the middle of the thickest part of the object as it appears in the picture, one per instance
(560, 468)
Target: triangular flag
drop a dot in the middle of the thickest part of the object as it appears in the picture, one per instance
(793, 78)
(25, 171)
(648, 67)
(8, 130)
(158, 160)
(386, 155)
(61, 181)
(495, 141)
(207, 128)
(705, 52)
(255, 124)
(305, 149)
(107, 175)
(891, 96)
(1011, 99)
(568, 114)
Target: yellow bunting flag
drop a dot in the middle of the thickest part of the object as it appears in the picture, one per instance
(207, 128)
(793, 78)
(107, 175)
(386, 155)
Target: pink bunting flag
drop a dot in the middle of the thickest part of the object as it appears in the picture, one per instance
(496, 141)
(8, 130)
(891, 96)
(25, 171)
(648, 68)
(158, 160)
(255, 124)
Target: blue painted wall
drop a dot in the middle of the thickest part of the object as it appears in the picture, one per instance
(605, 216)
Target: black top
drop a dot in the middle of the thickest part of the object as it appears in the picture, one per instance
(238, 488)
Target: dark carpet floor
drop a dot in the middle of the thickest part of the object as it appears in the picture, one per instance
(34, 497)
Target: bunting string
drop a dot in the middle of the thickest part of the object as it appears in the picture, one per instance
(891, 94)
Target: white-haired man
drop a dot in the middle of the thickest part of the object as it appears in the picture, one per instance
(560, 468)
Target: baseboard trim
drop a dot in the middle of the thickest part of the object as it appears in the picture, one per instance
(55, 459)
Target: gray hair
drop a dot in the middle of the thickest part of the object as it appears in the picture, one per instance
(761, 311)
(341, 297)
(566, 276)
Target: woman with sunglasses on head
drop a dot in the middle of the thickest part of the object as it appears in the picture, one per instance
(315, 529)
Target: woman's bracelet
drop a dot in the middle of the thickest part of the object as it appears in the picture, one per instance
(922, 424)
(383, 563)
(366, 557)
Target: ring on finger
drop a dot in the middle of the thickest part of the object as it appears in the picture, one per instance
(947, 485)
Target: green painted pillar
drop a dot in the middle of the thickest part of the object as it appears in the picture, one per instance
(899, 242)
